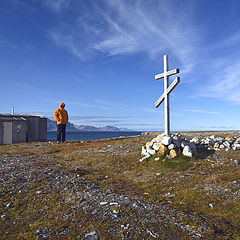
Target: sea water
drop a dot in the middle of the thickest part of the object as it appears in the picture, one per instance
(91, 135)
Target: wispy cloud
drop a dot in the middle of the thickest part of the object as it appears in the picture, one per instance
(57, 5)
(123, 27)
(193, 110)
(225, 82)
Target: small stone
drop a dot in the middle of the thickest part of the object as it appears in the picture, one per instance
(113, 203)
(3, 216)
(156, 159)
(103, 203)
(236, 162)
(92, 236)
(216, 145)
(38, 192)
(210, 205)
(221, 146)
(9, 205)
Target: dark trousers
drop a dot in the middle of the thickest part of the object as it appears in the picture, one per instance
(61, 132)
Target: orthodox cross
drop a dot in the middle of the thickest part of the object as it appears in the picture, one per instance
(167, 90)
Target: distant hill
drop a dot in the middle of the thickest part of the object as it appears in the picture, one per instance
(52, 126)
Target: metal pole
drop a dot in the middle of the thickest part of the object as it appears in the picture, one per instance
(166, 106)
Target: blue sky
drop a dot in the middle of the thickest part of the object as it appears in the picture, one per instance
(100, 57)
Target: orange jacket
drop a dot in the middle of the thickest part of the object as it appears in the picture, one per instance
(61, 114)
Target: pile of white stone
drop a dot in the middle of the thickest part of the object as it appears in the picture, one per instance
(175, 145)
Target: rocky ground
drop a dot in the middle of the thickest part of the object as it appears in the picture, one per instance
(98, 189)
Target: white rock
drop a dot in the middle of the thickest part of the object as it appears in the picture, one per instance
(159, 138)
(144, 151)
(156, 146)
(236, 162)
(166, 140)
(171, 146)
(221, 146)
(156, 159)
(145, 157)
(103, 203)
(187, 151)
(237, 146)
(209, 141)
(154, 140)
(212, 137)
(195, 140)
(150, 150)
(227, 144)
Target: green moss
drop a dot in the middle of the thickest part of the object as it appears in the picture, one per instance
(179, 163)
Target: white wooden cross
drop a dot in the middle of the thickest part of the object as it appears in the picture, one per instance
(167, 90)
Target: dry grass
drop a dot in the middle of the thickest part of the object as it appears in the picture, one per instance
(151, 180)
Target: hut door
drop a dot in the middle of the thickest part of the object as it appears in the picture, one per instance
(7, 132)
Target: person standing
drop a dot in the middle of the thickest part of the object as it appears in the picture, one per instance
(61, 115)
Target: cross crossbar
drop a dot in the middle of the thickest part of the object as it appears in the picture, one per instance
(168, 73)
(169, 90)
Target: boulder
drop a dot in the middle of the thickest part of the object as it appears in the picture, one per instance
(163, 150)
(187, 151)
(166, 140)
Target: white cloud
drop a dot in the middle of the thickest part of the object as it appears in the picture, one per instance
(125, 27)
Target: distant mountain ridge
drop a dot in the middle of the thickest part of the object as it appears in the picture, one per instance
(52, 126)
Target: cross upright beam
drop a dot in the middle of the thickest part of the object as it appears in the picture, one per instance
(167, 90)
